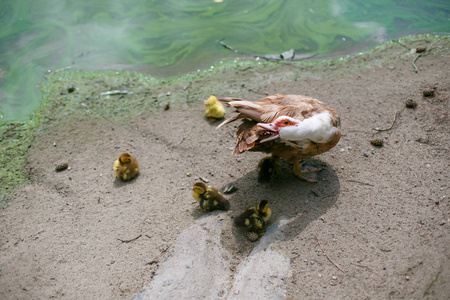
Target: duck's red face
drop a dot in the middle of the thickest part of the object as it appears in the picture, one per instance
(277, 126)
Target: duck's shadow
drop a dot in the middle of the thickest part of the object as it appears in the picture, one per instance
(299, 201)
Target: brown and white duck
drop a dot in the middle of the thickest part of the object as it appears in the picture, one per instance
(292, 127)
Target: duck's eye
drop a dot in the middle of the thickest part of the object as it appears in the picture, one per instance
(286, 122)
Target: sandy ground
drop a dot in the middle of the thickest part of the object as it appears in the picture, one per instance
(375, 226)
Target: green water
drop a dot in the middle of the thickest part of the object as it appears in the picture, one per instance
(166, 38)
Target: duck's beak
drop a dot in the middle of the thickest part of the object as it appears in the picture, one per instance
(272, 129)
(267, 126)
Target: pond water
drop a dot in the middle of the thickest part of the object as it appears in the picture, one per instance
(170, 37)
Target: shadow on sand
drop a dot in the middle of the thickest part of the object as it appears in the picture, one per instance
(298, 201)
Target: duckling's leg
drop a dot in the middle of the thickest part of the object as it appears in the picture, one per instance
(301, 174)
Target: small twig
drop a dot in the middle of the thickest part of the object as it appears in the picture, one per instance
(232, 134)
(365, 183)
(179, 143)
(167, 248)
(257, 92)
(425, 52)
(155, 260)
(398, 42)
(128, 241)
(186, 87)
(393, 121)
(364, 267)
(267, 57)
(300, 57)
(221, 43)
(56, 71)
(204, 179)
(335, 264)
(115, 92)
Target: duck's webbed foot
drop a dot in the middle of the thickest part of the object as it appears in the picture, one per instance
(251, 236)
(305, 172)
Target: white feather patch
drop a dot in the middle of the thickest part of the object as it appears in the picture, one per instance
(318, 128)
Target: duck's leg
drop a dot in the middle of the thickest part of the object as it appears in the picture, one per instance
(301, 174)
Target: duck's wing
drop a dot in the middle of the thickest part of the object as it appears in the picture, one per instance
(266, 110)
(217, 199)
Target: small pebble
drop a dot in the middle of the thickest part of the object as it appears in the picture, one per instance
(229, 188)
(71, 89)
(410, 103)
(429, 92)
(61, 167)
(377, 142)
(421, 49)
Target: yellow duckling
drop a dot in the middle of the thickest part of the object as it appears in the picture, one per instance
(268, 168)
(254, 219)
(214, 109)
(126, 167)
(209, 198)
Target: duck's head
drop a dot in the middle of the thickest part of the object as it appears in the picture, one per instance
(263, 206)
(283, 127)
(200, 188)
(125, 158)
